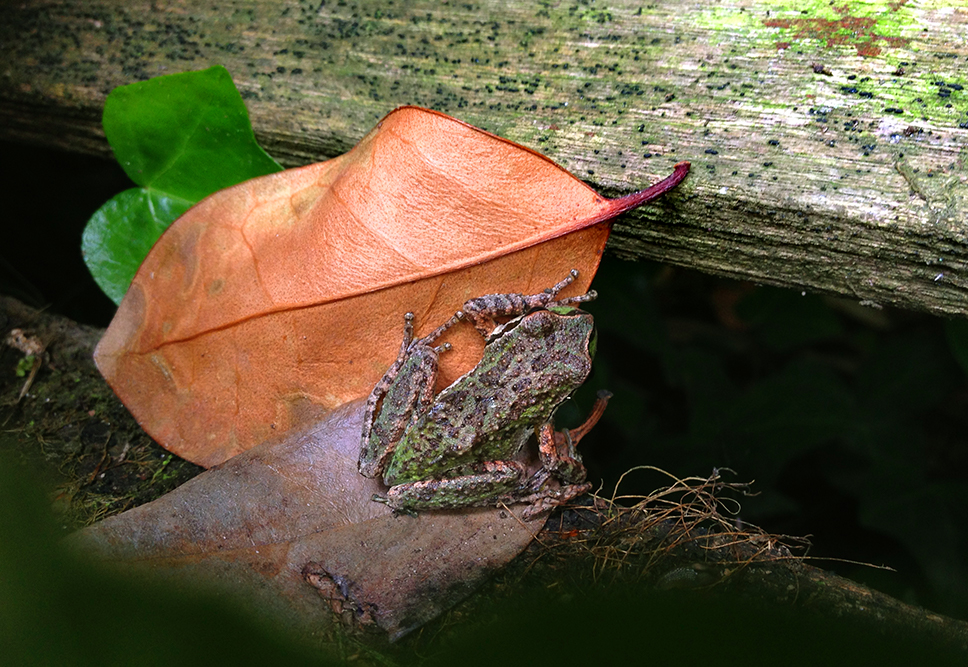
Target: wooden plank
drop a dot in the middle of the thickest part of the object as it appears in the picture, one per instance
(827, 141)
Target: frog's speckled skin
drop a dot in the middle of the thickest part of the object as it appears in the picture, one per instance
(460, 448)
(489, 413)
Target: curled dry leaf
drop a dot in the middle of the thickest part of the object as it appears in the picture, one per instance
(274, 301)
(290, 526)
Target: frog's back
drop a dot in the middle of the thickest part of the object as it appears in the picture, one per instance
(489, 413)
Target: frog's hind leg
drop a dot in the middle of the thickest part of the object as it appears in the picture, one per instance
(424, 348)
(383, 385)
(485, 484)
(407, 348)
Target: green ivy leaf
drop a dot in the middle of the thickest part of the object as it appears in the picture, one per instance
(25, 365)
(187, 135)
(119, 235)
(181, 137)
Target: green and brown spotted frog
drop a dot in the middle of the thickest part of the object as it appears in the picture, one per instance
(463, 447)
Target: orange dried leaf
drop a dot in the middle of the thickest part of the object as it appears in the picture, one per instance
(274, 301)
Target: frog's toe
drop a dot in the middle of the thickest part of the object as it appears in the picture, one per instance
(548, 499)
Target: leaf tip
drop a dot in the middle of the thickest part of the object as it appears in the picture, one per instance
(620, 205)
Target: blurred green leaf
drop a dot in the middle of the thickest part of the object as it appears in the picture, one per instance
(626, 306)
(25, 365)
(55, 604)
(928, 518)
(181, 137)
(904, 376)
(803, 406)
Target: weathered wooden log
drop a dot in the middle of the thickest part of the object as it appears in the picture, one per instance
(827, 143)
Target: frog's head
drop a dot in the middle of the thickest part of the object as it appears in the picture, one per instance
(577, 325)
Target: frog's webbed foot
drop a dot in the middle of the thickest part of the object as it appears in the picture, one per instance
(560, 460)
(377, 498)
(546, 490)
(557, 448)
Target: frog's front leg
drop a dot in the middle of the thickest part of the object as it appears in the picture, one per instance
(483, 310)
(557, 449)
(485, 483)
(560, 459)
(404, 393)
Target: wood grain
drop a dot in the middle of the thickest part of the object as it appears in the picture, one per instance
(827, 142)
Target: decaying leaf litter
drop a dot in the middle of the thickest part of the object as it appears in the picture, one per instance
(263, 527)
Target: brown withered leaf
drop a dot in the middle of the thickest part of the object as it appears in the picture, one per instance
(274, 301)
(291, 527)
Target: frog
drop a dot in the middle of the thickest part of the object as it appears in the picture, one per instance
(463, 447)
